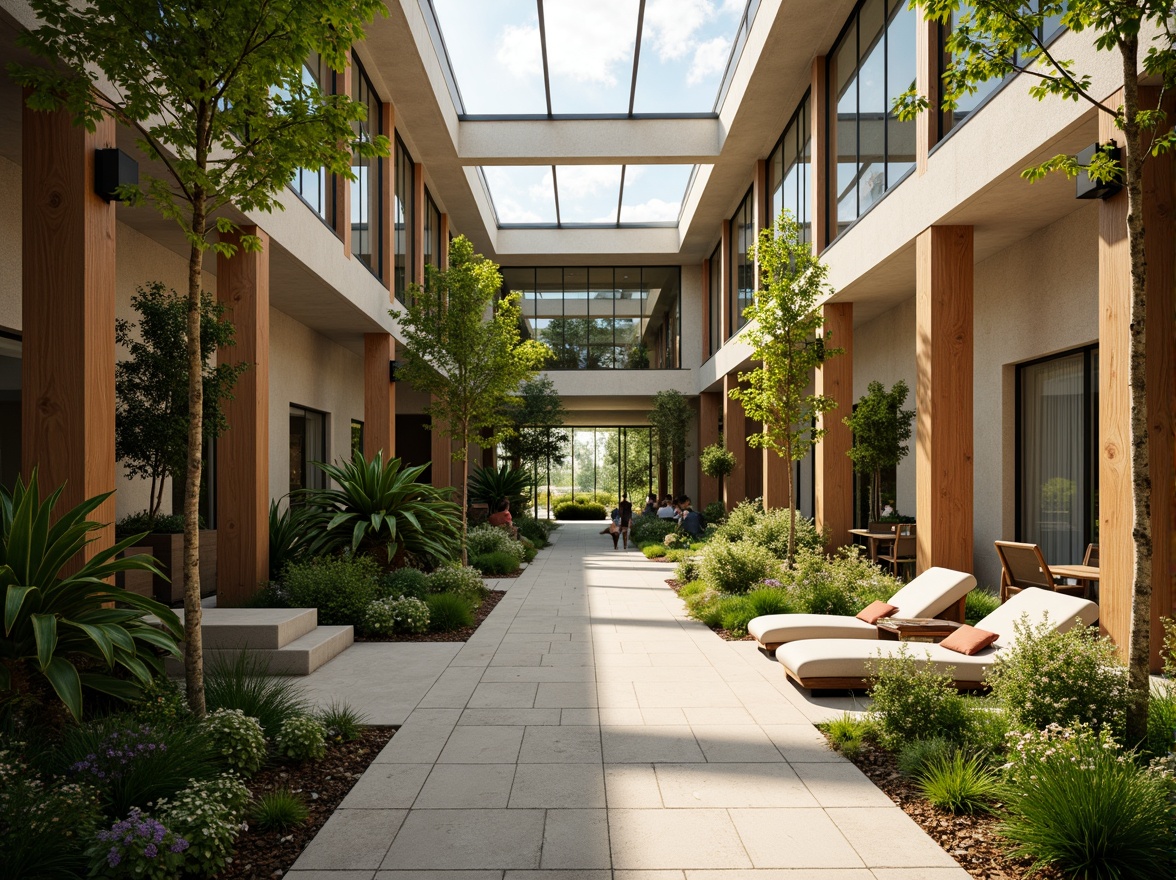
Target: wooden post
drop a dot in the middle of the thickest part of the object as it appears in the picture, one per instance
(387, 201)
(342, 218)
(774, 483)
(927, 83)
(944, 429)
(725, 318)
(418, 224)
(819, 111)
(444, 257)
(242, 478)
(833, 492)
(67, 293)
(735, 431)
(710, 410)
(379, 396)
(704, 337)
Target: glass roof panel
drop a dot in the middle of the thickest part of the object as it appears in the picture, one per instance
(653, 193)
(522, 193)
(495, 53)
(588, 193)
(590, 54)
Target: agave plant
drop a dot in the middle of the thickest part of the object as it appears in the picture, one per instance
(294, 536)
(381, 506)
(57, 620)
(490, 486)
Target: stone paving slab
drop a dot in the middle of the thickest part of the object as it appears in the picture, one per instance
(590, 731)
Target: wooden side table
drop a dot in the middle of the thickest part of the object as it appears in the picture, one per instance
(915, 629)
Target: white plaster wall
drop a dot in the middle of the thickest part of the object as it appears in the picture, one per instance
(307, 369)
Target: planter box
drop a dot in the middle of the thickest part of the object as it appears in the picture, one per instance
(141, 582)
(169, 550)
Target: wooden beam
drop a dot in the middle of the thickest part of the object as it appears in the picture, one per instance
(819, 150)
(943, 359)
(242, 479)
(725, 286)
(342, 208)
(710, 411)
(735, 431)
(418, 224)
(759, 209)
(704, 336)
(379, 396)
(68, 295)
(833, 490)
(387, 200)
(927, 84)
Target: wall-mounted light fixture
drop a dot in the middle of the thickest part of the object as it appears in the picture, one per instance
(113, 168)
(1085, 188)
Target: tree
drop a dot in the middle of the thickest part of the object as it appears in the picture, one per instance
(151, 386)
(881, 428)
(998, 38)
(784, 332)
(469, 364)
(717, 461)
(535, 414)
(670, 418)
(216, 96)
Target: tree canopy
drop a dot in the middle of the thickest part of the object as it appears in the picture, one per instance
(881, 429)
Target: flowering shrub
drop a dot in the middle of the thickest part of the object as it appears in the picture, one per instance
(677, 540)
(645, 529)
(114, 755)
(138, 846)
(736, 567)
(404, 615)
(843, 585)
(238, 739)
(339, 587)
(301, 738)
(912, 701)
(208, 814)
(484, 539)
(1047, 677)
(460, 579)
(162, 702)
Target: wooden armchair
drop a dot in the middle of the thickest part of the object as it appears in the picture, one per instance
(1022, 565)
(902, 551)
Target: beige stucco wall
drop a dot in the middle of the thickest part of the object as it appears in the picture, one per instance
(10, 238)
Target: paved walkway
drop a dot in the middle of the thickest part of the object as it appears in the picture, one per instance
(589, 730)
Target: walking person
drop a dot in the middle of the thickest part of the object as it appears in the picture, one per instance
(625, 509)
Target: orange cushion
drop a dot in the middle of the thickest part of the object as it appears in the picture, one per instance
(875, 611)
(968, 640)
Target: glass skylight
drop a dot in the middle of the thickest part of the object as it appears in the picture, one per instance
(653, 193)
(522, 194)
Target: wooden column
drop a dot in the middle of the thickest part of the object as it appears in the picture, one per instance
(444, 241)
(927, 83)
(1116, 491)
(819, 149)
(242, 478)
(704, 352)
(943, 355)
(725, 288)
(387, 200)
(441, 454)
(710, 410)
(67, 292)
(418, 223)
(759, 208)
(774, 482)
(833, 491)
(735, 431)
(342, 212)
(379, 396)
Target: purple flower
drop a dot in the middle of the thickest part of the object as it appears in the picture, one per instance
(113, 857)
(180, 845)
(150, 851)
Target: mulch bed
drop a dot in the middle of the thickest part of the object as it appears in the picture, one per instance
(457, 635)
(262, 855)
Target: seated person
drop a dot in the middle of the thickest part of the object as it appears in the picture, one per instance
(650, 506)
(667, 510)
(692, 522)
(501, 517)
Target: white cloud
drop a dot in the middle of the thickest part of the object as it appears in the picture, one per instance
(590, 44)
(519, 51)
(709, 58)
(651, 210)
(510, 211)
(583, 181)
(671, 25)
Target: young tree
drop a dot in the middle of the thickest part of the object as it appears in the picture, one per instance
(670, 417)
(997, 38)
(469, 362)
(881, 428)
(535, 415)
(216, 95)
(151, 386)
(717, 461)
(783, 329)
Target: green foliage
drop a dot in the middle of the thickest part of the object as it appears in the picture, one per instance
(717, 460)
(654, 551)
(538, 531)
(914, 756)
(461, 580)
(849, 733)
(490, 486)
(1074, 801)
(141, 522)
(536, 414)
(237, 739)
(783, 330)
(242, 681)
(881, 429)
(715, 512)
(342, 723)
(912, 701)
(294, 537)
(686, 571)
(486, 539)
(410, 582)
(987, 732)
(381, 509)
(72, 631)
(748, 521)
(670, 417)
(958, 784)
(979, 604)
(736, 568)
(280, 810)
(578, 510)
(160, 703)
(151, 384)
(649, 529)
(495, 563)
(1049, 677)
(401, 614)
(137, 846)
(301, 738)
(1161, 721)
(208, 815)
(339, 587)
(448, 611)
(843, 585)
(734, 613)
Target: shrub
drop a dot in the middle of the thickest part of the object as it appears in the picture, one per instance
(411, 582)
(578, 510)
(848, 733)
(979, 604)
(735, 612)
(912, 701)
(486, 539)
(340, 588)
(242, 681)
(958, 784)
(739, 521)
(1073, 800)
(342, 723)
(686, 571)
(138, 846)
(649, 529)
(449, 611)
(208, 815)
(162, 702)
(294, 536)
(770, 600)
(986, 735)
(237, 739)
(279, 810)
(143, 522)
(301, 738)
(770, 530)
(1161, 721)
(706, 606)
(736, 567)
(715, 512)
(916, 755)
(461, 580)
(490, 486)
(536, 530)
(496, 563)
(385, 617)
(655, 551)
(844, 584)
(1069, 678)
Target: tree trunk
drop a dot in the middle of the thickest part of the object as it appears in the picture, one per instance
(791, 507)
(465, 478)
(194, 651)
(1139, 646)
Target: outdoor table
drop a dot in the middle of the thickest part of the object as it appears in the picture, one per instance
(915, 629)
(875, 539)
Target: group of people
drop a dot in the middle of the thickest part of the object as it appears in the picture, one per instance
(678, 509)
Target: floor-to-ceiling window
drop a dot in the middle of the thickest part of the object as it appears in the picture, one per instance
(405, 219)
(366, 202)
(790, 171)
(314, 185)
(432, 242)
(743, 235)
(308, 444)
(600, 463)
(715, 300)
(1057, 436)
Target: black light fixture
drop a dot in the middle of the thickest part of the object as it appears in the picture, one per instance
(1085, 188)
(392, 371)
(113, 168)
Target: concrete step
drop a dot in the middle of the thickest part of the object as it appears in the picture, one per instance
(258, 629)
(301, 656)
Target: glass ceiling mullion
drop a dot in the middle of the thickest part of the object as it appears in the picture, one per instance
(621, 188)
(546, 76)
(633, 85)
(555, 190)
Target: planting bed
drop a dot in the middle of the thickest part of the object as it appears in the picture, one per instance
(457, 635)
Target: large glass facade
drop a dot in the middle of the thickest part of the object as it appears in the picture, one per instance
(602, 317)
(314, 185)
(366, 205)
(870, 149)
(790, 171)
(743, 235)
(405, 219)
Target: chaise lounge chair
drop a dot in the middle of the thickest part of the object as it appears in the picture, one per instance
(843, 663)
(929, 595)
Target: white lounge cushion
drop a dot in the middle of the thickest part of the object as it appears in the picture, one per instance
(930, 594)
(1060, 609)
